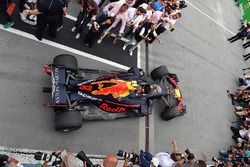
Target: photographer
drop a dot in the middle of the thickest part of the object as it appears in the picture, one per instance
(6, 161)
(135, 160)
(165, 159)
(61, 158)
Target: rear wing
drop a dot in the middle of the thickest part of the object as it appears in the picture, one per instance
(58, 78)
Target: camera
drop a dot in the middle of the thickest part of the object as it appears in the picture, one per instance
(190, 156)
(55, 159)
(219, 162)
(82, 156)
(124, 154)
(182, 4)
(3, 159)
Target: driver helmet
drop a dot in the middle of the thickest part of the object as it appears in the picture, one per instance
(132, 85)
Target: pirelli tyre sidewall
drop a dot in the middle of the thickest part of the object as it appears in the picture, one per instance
(159, 72)
(66, 60)
(68, 120)
(170, 113)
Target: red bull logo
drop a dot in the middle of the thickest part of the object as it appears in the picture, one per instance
(107, 108)
(118, 88)
(85, 87)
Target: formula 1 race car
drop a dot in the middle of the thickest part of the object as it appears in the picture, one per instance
(86, 94)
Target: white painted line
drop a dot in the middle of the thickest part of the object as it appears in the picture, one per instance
(218, 23)
(63, 47)
(71, 17)
(139, 56)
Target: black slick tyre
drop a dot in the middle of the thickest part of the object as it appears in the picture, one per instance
(68, 120)
(66, 60)
(159, 72)
(169, 113)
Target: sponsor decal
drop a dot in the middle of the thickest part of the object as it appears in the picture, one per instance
(86, 82)
(108, 108)
(88, 96)
(117, 88)
(55, 87)
(85, 87)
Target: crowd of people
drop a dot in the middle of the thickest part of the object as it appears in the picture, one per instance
(65, 158)
(244, 35)
(135, 20)
(238, 155)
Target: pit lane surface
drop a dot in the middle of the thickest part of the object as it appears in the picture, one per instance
(197, 51)
(206, 64)
(26, 123)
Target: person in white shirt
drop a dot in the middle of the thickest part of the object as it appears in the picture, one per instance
(149, 11)
(146, 33)
(121, 16)
(135, 18)
(165, 159)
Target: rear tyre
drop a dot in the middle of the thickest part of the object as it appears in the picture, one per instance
(159, 72)
(170, 113)
(68, 120)
(66, 60)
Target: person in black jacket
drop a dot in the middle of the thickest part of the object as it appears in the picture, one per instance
(4, 4)
(48, 12)
(242, 34)
(146, 33)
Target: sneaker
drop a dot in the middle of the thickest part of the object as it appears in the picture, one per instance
(59, 28)
(99, 41)
(77, 36)
(124, 47)
(131, 53)
(8, 25)
(73, 29)
(23, 16)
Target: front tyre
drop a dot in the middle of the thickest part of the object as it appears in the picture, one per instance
(159, 73)
(68, 120)
(170, 112)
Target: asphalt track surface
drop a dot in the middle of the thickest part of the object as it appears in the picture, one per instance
(197, 51)
(65, 37)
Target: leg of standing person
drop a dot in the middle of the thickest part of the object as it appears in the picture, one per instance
(247, 57)
(60, 22)
(246, 45)
(238, 36)
(40, 26)
(80, 18)
(130, 42)
(133, 48)
(104, 34)
(82, 26)
(7, 18)
(53, 23)
(233, 38)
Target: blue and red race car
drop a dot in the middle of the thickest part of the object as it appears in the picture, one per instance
(85, 94)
